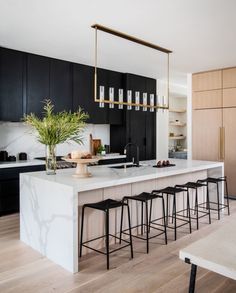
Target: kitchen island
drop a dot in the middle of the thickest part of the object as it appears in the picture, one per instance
(50, 205)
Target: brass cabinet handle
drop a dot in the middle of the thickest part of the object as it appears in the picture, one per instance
(223, 143)
(219, 145)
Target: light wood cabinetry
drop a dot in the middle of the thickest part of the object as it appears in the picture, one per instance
(206, 134)
(229, 77)
(229, 97)
(207, 99)
(214, 120)
(229, 122)
(204, 81)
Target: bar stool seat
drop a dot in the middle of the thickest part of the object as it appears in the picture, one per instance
(176, 215)
(211, 204)
(144, 198)
(105, 206)
(195, 186)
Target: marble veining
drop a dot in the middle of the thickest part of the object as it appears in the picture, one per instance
(16, 137)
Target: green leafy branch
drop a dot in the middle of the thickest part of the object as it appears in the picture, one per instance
(56, 128)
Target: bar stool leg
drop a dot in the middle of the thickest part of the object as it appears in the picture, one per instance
(130, 234)
(189, 215)
(121, 219)
(150, 216)
(227, 195)
(147, 224)
(142, 218)
(208, 203)
(218, 200)
(107, 237)
(174, 210)
(81, 232)
(164, 218)
(196, 207)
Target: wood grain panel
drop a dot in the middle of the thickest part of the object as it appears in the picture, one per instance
(207, 99)
(229, 122)
(204, 81)
(205, 136)
(229, 97)
(229, 77)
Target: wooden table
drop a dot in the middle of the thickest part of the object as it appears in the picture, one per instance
(216, 252)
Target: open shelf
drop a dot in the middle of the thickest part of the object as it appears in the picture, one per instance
(177, 137)
(177, 110)
(180, 124)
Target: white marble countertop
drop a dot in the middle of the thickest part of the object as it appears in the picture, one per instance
(21, 163)
(112, 156)
(105, 176)
(217, 251)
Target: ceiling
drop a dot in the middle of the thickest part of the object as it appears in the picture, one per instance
(201, 33)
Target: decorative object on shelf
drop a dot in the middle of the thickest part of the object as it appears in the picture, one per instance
(163, 104)
(57, 128)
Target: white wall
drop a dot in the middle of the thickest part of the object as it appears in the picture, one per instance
(189, 115)
(18, 137)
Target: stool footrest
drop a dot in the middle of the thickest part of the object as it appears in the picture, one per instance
(103, 236)
(142, 238)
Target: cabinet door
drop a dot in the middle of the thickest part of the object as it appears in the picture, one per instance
(38, 69)
(207, 99)
(11, 84)
(229, 97)
(115, 80)
(204, 81)
(206, 134)
(229, 77)
(61, 85)
(150, 123)
(83, 94)
(229, 122)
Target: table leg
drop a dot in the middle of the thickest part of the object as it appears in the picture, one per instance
(192, 278)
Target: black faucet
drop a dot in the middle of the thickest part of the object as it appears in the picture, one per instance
(137, 152)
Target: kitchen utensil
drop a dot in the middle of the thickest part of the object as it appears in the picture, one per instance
(3, 156)
(22, 156)
(12, 158)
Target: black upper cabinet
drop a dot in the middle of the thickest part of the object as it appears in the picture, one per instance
(38, 74)
(116, 81)
(83, 93)
(139, 126)
(61, 85)
(12, 85)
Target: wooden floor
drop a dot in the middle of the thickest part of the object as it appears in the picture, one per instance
(24, 270)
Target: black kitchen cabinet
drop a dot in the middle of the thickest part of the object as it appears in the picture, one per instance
(61, 85)
(9, 187)
(116, 81)
(139, 126)
(83, 93)
(38, 76)
(12, 84)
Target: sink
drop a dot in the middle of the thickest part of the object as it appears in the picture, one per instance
(127, 166)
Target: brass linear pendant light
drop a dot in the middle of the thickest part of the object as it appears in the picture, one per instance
(128, 103)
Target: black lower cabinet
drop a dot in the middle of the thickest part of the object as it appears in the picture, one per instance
(9, 188)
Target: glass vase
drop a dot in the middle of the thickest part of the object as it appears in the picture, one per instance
(51, 159)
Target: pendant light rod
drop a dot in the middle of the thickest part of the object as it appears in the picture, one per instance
(130, 38)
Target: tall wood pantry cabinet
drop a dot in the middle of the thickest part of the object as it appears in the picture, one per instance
(214, 119)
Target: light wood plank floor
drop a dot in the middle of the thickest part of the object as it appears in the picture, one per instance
(24, 270)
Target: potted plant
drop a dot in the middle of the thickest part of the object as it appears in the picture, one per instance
(57, 128)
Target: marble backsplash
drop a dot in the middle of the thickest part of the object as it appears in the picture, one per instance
(18, 137)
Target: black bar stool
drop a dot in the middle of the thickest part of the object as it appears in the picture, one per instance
(173, 191)
(105, 206)
(144, 198)
(220, 206)
(195, 186)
